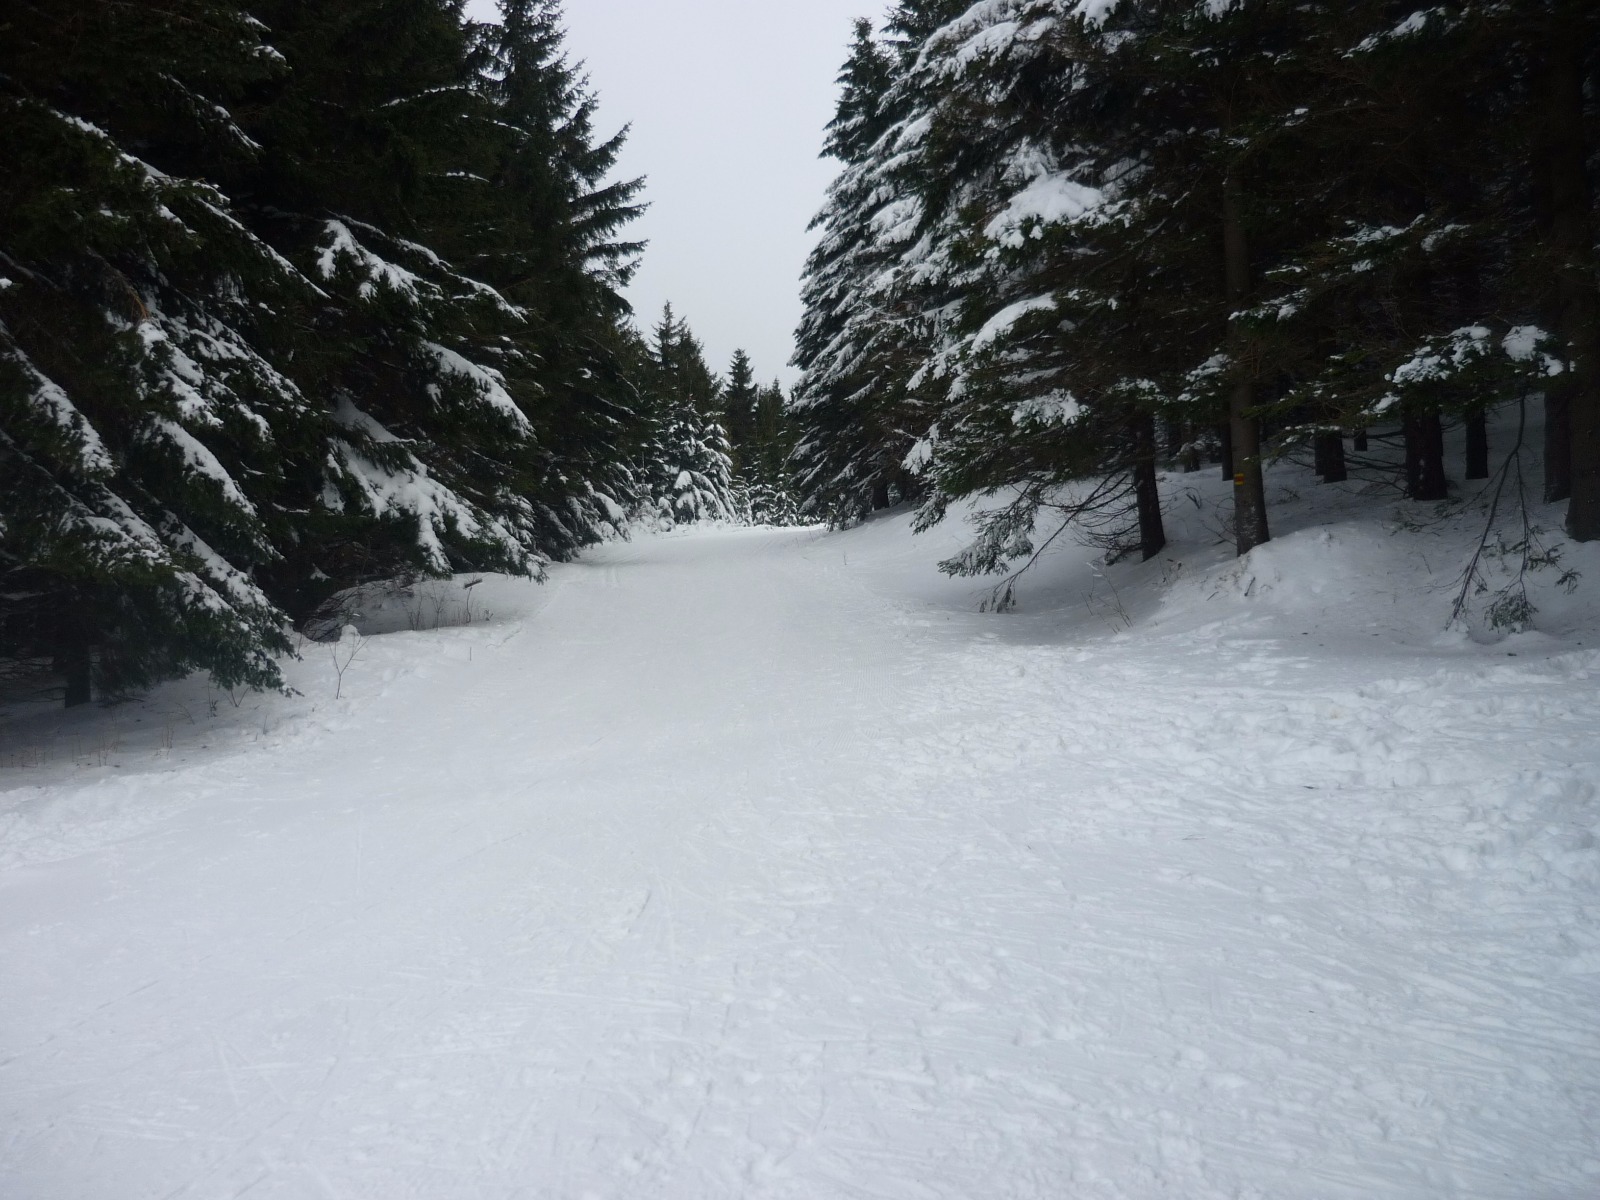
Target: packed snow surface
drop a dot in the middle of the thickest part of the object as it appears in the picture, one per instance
(760, 864)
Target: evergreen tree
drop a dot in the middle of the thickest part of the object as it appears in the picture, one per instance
(769, 488)
(689, 458)
(553, 247)
(855, 343)
(1040, 369)
(1417, 301)
(369, 327)
(144, 434)
(372, 135)
(762, 441)
(1207, 103)
(739, 398)
(1063, 228)
(1555, 52)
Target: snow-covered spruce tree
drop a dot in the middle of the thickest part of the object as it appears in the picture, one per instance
(772, 504)
(461, 171)
(1421, 299)
(1157, 148)
(1386, 177)
(1040, 368)
(242, 406)
(145, 436)
(1389, 265)
(1207, 103)
(759, 441)
(429, 459)
(739, 397)
(1065, 226)
(550, 241)
(768, 486)
(1559, 42)
(856, 343)
(689, 457)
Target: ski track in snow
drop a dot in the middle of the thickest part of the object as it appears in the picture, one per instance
(733, 874)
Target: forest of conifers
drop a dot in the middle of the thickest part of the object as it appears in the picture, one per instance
(1076, 241)
(297, 296)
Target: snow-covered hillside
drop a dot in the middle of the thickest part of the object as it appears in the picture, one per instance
(751, 863)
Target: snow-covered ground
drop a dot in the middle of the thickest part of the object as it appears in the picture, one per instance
(760, 864)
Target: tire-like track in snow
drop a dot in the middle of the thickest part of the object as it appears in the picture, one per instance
(728, 876)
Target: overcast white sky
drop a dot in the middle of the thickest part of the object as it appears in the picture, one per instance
(727, 99)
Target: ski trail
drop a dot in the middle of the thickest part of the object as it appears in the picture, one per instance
(731, 875)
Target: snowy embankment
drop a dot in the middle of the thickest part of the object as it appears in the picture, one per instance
(759, 864)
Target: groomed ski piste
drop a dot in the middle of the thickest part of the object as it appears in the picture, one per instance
(760, 863)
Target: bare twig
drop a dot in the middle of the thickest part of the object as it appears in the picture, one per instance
(1470, 575)
(344, 652)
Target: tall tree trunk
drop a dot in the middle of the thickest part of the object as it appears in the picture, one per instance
(1477, 444)
(1177, 437)
(1330, 458)
(1572, 246)
(80, 669)
(1225, 449)
(1182, 446)
(1147, 491)
(1425, 477)
(1359, 442)
(1558, 439)
(1249, 485)
(75, 657)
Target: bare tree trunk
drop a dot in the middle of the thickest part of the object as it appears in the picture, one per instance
(75, 658)
(1477, 445)
(1359, 442)
(1558, 439)
(1147, 491)
(79, 674)
(1177, 437)
(1572, 244)
(1225, 449)
(1249, 485)
(1425, 477)
(1330, 458)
